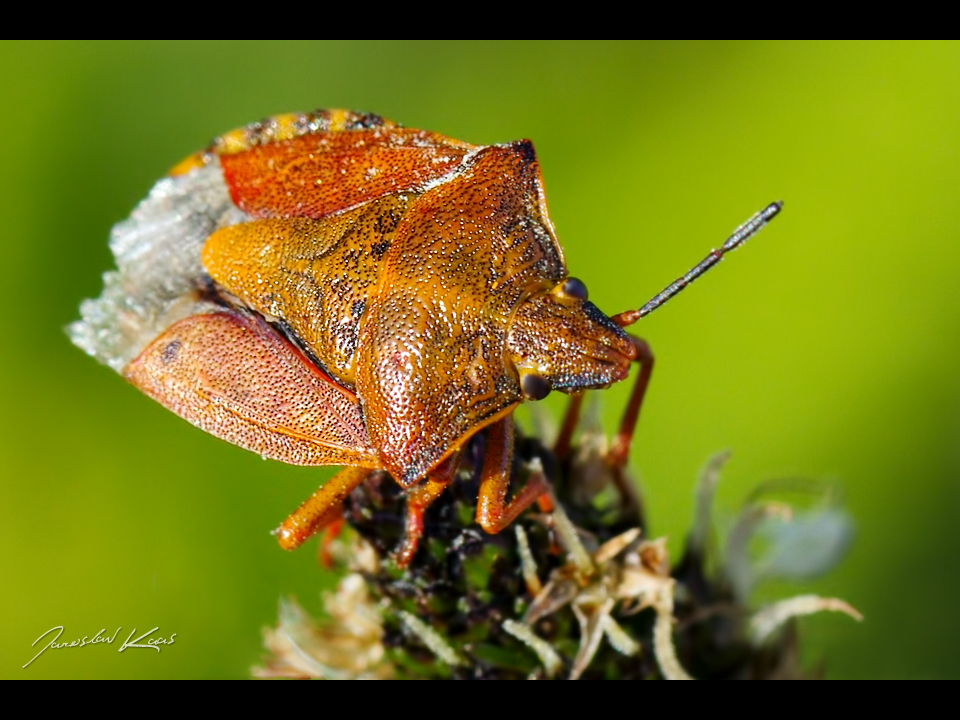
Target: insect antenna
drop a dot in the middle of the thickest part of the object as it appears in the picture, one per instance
(750, 228)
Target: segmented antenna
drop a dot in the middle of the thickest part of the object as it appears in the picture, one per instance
(743, 233)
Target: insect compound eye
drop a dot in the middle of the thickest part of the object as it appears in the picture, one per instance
(574, 287)
(534, 387)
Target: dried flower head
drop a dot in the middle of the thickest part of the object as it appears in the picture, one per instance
(576, 591)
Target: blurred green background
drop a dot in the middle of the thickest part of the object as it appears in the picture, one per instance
(826, 349)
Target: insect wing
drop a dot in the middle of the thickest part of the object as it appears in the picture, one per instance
(232, 375)
(321, 173)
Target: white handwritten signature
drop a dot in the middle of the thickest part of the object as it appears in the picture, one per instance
(154, 643)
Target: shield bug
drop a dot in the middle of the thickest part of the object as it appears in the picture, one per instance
(332, 288)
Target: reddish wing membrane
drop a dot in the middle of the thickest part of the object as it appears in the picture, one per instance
(319, 174)
(232, 375)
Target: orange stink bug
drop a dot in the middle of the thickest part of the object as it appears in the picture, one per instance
(334, 289)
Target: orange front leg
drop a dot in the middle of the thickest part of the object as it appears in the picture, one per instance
(330, 533)
(418, 500)
(493, 512)
(571, 417)
(620, 450)
(325, 506)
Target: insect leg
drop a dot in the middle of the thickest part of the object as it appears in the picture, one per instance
(620, 448)
(320, 509)
(418, 500)
(570, 418)
(493, 512)
(330, 533)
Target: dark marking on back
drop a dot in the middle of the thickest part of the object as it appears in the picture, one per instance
(378, 249)
(526, 151)
(386, 223)
(364, 121)
(170, 352)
